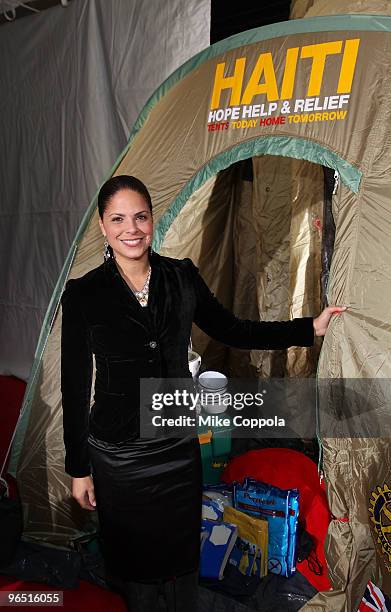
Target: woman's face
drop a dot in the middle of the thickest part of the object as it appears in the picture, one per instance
(127, 225)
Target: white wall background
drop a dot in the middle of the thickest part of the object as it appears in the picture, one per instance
(72, 83)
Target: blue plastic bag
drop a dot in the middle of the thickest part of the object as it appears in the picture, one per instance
(281, 509)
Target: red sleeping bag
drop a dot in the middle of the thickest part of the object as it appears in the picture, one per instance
(290, 469)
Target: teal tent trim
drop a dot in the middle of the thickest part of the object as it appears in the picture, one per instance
(299, 148)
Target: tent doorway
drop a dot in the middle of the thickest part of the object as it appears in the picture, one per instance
(261, 232)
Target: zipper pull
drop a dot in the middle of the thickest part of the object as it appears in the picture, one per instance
(336, 182)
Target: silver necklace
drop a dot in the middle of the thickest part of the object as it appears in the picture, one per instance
(143, 294)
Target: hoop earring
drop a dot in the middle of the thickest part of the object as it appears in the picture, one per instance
(106, 252)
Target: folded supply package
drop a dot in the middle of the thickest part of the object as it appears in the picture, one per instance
(280, 508)
(219, 496)
(250, 551)
(211, 509)
(224, 492)
(217, 541)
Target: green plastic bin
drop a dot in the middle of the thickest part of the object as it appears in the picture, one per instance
(215, 452)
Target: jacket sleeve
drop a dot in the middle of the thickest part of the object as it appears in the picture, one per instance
(220, 324)
(76, 378)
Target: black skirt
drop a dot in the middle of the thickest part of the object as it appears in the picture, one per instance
(148, 499)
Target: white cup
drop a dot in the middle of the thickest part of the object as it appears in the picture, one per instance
(213, 381)
(194, 363)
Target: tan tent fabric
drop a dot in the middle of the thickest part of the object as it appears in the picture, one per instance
(204, 232)
(299, 8)
(287, 204)
(305, 261)
(350, 547)
(272, 211)
(316, 8)
(245, 269)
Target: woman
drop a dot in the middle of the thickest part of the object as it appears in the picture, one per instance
(134, 313)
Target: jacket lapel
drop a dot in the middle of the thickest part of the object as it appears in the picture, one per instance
(131, 308)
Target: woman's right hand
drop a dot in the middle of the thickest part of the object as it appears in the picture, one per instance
(83, 492)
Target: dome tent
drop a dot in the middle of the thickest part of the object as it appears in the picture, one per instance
(314, 90)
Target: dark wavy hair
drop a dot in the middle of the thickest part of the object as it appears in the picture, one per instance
(115, 184)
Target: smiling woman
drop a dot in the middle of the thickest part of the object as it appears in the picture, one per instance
(135, 314)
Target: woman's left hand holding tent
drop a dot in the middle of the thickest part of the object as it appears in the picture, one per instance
(322, 321)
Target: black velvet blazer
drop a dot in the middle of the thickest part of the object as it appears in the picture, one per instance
(101, 316)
